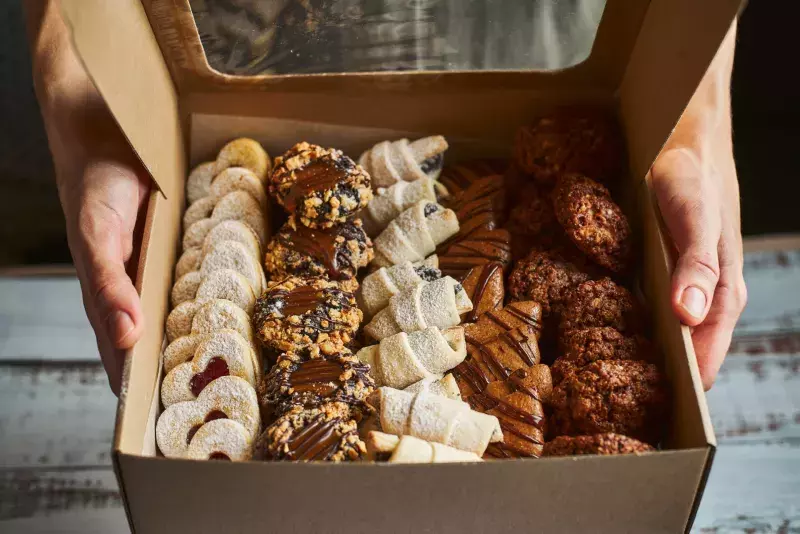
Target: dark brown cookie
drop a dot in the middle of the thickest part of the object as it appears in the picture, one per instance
(593, 221)
(603, 444)
(335, 253)
(482, 246)
(517, 404)
(601, 303)
(564, 143)
(300, 379)
(582, 347)
(301, 312)
(485, 288)
(457, 178)
(319, 186)
(623, 396)
(326, 433)
(546, 278)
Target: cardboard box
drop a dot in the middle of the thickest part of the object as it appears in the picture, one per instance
(147, 61)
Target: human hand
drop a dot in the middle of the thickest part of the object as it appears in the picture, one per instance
(102, 188)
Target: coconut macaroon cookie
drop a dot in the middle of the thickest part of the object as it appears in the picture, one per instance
(320, 186)
(298, 312)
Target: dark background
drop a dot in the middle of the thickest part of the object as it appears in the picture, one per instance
(766, 112)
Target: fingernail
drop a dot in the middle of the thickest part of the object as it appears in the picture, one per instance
(694, 301)
(120, 324)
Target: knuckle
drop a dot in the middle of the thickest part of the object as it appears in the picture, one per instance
(705, 263)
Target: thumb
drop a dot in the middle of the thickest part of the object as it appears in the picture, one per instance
(690, 209)
(106, 221)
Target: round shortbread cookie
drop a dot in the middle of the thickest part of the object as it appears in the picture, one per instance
(233, 255)
(188, 262)
(229, 285)
(248, 153)
(196, 233)
(185, 288)
(238, 179)
(179, 320)
(240, 206)
(199, 181)
(220, 314)
(199, 210)
(233, 231)
(180, 350)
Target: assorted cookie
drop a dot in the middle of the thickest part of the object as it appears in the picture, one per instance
(433, 354)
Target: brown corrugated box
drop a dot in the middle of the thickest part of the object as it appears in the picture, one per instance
(147, 61)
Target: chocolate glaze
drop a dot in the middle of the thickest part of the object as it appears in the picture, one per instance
(217, 367)
(320, 376)
(299, 300)
(314, 442)
(480, 288)
(318, 175)
(323, 246)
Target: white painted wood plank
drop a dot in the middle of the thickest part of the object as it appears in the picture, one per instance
(42, 492)
(773, 281)
(42, 318)
(107, 521)
(55, 415)
(752, 489)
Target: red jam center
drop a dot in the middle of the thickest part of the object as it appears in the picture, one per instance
(216, 368)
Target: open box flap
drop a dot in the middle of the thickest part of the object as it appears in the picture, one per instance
(121, 56)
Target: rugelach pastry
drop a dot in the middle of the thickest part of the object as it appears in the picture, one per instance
(622, 396)
(390, 162)
(221, 439)
(485, 288)
(403, 359)
(439, 303)
(221, 353)
(319, 186)
(517, 404)
(380, 286)
(390, 202)
(579, 348)
(335, 253)
(247, 153)
(445, 386)
(602, 303)
(435, 418)
(410, 450)
(564, 143)
(593, 221)
(227, 397)
(300, 379)
(545, 277)
(297, 312)
(414, 234)
(603, 444)
(457, 257)
(457, 178)
(324, 434)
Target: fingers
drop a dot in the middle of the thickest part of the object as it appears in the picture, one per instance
(105, 221)
(690, 208)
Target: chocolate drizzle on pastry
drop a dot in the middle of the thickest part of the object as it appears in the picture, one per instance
(482, 246)
(484, 287)
(321, 173)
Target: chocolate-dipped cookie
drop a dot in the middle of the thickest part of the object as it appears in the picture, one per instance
(335, 253)
(298, 312)
(300, 379)
(485, 288)
(457, 178)
(319, 186)
(456, 258)
(326, 433)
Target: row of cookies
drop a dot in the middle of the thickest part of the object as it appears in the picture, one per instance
(212, 361)
(314, 395)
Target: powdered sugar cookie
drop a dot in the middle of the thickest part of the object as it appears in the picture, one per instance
(235, 256)
(221, 439)
(198, 210)
(238, 179)
(180, 350)
(233, 231)
(189, 261)
(194, 235)
(248, 153)
(228, 397)
(185, 288)
(229, 285)
(220, 314)
(223, 353)
(200, 180)
(179, 320)
(240, 206)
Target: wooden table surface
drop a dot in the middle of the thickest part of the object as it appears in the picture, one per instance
(57, 413)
